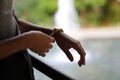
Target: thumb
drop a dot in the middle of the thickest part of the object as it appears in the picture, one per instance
(52, 39)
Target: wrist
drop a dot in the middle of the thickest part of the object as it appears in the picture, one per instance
(55, 31)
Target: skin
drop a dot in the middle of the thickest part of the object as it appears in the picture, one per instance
(35, 40)
(65, 42)
(38, 40)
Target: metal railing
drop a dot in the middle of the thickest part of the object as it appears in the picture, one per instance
(48, 70)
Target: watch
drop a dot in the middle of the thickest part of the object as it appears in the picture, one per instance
(56, 30)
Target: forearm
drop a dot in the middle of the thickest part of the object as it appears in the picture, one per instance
(13, 45)
(27, 26)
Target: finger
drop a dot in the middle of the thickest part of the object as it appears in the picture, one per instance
(52, 40)
(82, 58)
(42, 54)
(81, 61)
(82, 53)
(80, 49)
(69, 55)
(47, 50)
(39, 52)
(50, 46)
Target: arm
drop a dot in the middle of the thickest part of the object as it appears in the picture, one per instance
(27, 26)
(23, 41)
(64, 41)
(12, 45)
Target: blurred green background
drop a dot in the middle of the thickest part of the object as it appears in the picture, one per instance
(92, 13)
(99, 12)
(37, 11)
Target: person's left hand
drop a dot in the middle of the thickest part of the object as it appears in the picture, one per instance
(65, 42)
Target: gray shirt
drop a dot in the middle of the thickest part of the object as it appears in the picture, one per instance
(7, 21)
(17, 66)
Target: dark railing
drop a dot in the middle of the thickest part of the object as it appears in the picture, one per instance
(48, 70)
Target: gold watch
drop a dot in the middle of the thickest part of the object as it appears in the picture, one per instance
(56, 30)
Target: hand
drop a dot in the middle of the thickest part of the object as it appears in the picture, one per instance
(65, 42)
(40, 42)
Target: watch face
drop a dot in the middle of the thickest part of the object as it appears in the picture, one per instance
(56, 30)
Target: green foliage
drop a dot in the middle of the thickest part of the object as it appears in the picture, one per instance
(111, 11)
(99, 12)
(86, 4)
(95, 12)
(36, 11)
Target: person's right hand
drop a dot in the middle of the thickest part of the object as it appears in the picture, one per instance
(39, 42)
